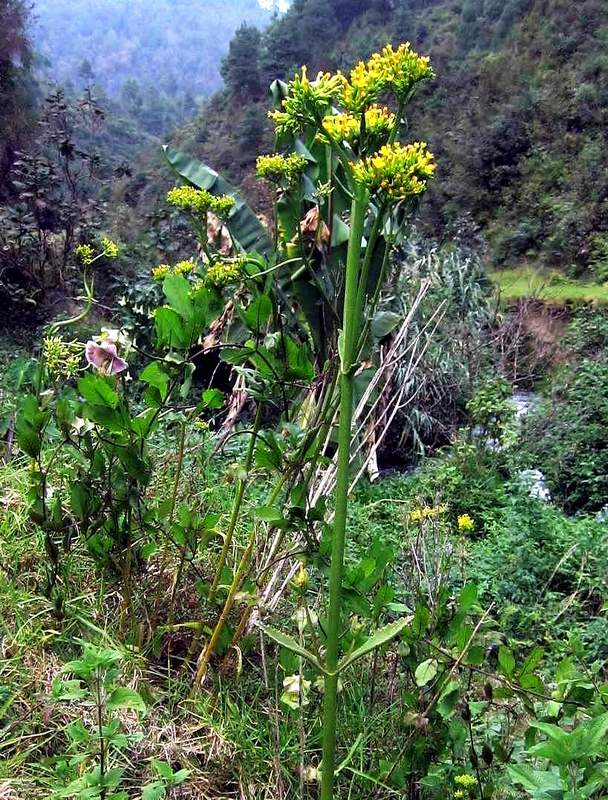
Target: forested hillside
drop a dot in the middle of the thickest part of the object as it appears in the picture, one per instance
(517, 113)
(172, 47)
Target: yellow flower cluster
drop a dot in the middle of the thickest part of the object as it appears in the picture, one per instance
(346, 127)
(307, 102)
(427, 512)
(467, 782)
(62, 359)
(225, 272)
(110, 248)
(160, 272)
(401, 68)
(85, 253)
(198, 201)
(184, 267)
(398, 171)
(390, 70)
(281, 169)
(466, 523)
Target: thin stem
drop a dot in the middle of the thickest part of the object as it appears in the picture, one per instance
(236, 506)
(102, 744)
(350, 334)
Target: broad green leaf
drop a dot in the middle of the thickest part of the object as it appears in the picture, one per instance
(153, 791)
(533, 660)
(154, 375)
(96, 390)
(468, 597)
(122, 697)
(384, 322)
(212, 398)
(425, 672)
(379, 638)
(163, 769)
(30, 423)
(258, 312)
(170, 329)
(506, 661)
(533, 780)
(133, 465)
(289, 643)
(177, 291)
(448, 698)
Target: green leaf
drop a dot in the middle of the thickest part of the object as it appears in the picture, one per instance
(258, 312)
(379, 638)
(383, 323)
(122, 697)
(79, 499)
(468, 597)
(30, 424)
(212, 398)
(97, 390)
(425, 672)
(448, 699)
(163, 769)
(506, 661)
(154, 375)
(268, 514)
(177, 290)
(535, 781)
(170, 329)
(289, 643)
(153, 791)
(533, 660)
(133, 465)
(244, 225)
(475, 655)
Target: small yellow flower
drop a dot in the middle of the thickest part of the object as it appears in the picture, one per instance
(401, 69)
(225, 272)
(307, 102)
(466, 523)
(199, 201)
(110, 248)
(459, 794)
(346, 127)
(427, 512)
(389, 70)
(281, 169)
(201, 425)
(160, 273)
(467, 782)
(398, 171)
(85, 253)
(184, 267)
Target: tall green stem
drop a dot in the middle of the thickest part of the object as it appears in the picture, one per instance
(350, 335)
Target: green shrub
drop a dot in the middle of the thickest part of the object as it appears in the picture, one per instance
(566, 437)
(545, 572)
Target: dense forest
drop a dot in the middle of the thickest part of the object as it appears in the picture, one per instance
(303, 400)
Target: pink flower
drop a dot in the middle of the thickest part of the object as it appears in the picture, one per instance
(104, 357)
